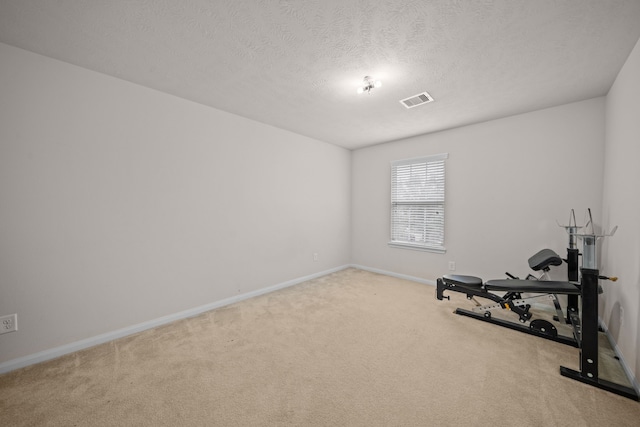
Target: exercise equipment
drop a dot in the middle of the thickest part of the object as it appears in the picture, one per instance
(586, 327)
(582, 290)
(511, 297)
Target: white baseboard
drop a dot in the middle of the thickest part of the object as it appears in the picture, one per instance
(56, 352)
(398, 275)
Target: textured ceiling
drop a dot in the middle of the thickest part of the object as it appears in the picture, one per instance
(296, 64)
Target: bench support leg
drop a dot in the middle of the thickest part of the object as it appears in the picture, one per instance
(586, 333)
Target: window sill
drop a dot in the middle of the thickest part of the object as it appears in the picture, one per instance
(402, 245)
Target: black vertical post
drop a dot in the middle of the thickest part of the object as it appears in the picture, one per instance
(589, 324)
(572, 276)
(572, 265)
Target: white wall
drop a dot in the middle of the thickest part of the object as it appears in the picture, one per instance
(621, 206)
(120, 204)
(508, 181)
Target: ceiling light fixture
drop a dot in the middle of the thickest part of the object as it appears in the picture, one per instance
(368, 83)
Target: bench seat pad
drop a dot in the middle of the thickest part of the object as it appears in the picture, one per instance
(532, 286)
(464, 281)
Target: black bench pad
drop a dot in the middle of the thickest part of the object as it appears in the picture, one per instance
(533, 286)
(464, 281)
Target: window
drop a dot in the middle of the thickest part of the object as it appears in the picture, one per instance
(417, 203)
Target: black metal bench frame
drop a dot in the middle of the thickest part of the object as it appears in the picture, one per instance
(511, 300)
(584, 322)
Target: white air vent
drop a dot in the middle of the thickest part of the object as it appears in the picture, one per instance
(415, 100)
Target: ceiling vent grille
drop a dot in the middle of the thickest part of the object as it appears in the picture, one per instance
(415, 100)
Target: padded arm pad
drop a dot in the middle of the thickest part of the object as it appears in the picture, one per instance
(544, 259)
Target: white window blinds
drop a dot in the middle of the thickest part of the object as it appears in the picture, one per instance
(417, 203)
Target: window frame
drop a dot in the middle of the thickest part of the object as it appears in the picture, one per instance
(428, 246)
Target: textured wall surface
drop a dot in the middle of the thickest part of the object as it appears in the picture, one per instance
(296, 64)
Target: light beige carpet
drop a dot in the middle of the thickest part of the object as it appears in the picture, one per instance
(349, 349)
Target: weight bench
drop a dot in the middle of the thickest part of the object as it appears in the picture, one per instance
(583, 293)
(512, 297)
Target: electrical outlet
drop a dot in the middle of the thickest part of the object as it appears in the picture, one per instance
(452, 265)
(315, 256)
(8, 323)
